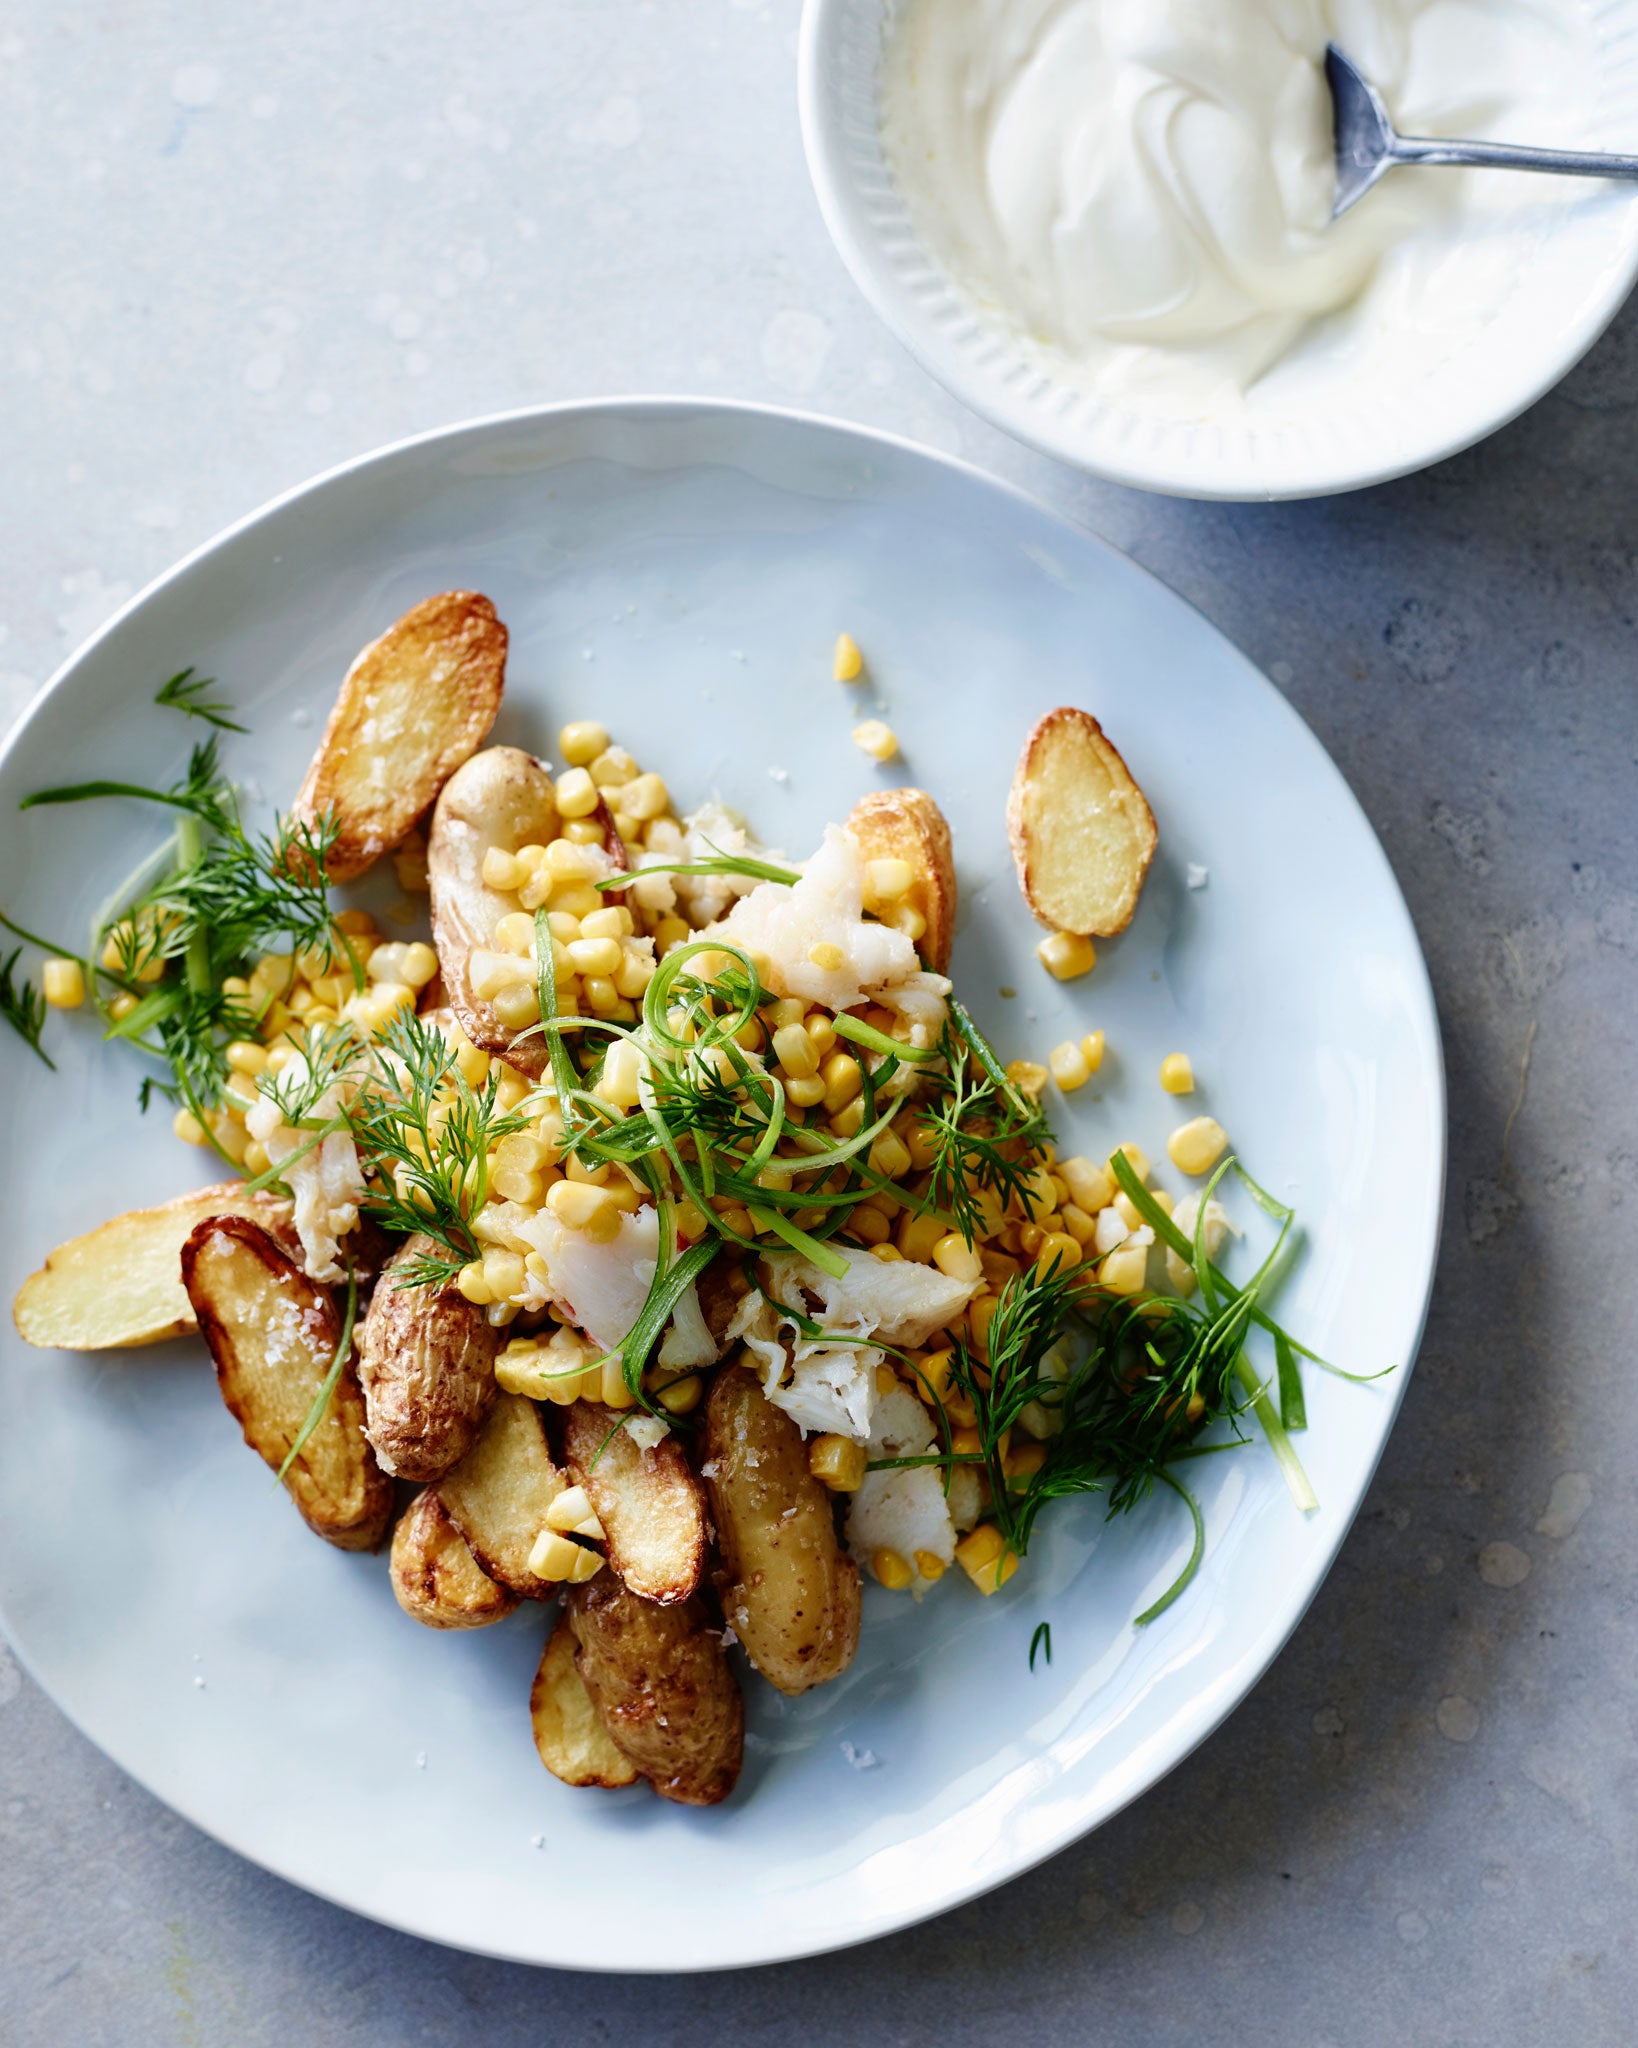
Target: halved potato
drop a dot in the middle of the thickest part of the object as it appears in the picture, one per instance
(906, 824)
(273, 1334)
(650, 1504)
(497, 1496)
(121, 1284)
(1082, 831)
(502, 798)
(426, 1362)
(415, 705)
(789, 1592)
(569, 1733)
(435, 1578)
(662, 1687)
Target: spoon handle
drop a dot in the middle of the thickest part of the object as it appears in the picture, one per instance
(1509, 156)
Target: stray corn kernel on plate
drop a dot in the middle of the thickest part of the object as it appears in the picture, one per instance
(680, 1318)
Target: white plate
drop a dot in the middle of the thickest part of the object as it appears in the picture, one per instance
(681, 571)
(1418, 384)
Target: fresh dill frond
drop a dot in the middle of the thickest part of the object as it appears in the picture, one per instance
(985, 1131)
(23, 1006)
(1041, 1640)
(184, 692)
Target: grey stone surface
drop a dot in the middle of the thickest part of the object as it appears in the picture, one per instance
(242, 243)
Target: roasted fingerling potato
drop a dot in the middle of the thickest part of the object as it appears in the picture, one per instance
(498, 1495)
(789, 1591)
(273, 1335)
(905, 825)
(435, 1578)
(1081, 830)
(120, 1285)
(660, 1681)
(426, 1363)
(569, 1733)
(414, 705)
(651, 1506)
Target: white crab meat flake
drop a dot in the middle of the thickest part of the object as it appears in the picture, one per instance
(905, 1510)
(327, 1184)
(600, 1287)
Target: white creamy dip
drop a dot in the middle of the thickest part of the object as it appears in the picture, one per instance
(1142, 189)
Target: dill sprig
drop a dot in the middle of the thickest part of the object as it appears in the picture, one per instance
(23, 1006)
(185, 693)
(985, 1130)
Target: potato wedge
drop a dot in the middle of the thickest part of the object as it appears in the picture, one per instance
(426, 1363)
(273, 1334)
(906, 824)
(502, 798)
(435, 1578)
(121, 1284)
(414, 705)
(569, 1733)
(650, 1504)
(497, 1496)
(789, 1592)
(660, 1681)
(1082, 831)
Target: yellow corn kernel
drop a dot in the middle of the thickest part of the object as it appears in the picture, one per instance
(1066, 955)
(1196, 1147)
(1057, 1253)
(794, 1051)
(613, 768)
(471, 1284)
(980, 1314)
(888, 879)
(611, 922)
(585, 1209)
(917, 1235)
(623, 1195)
(645, 798)
(576, 793)
(1127, 1210)
(279, 1057)
(1037, 1195)
(517, 1007)
(1069, 1066)
(122, 1006)
(561, 1560)
(1023, 1463)
(572, 1514)
(887, 1253)
(1077, 1224)
(682, 1397)
(257, 1159)
(1092, 1187)
(843, 1080)
(516, 1184)
(886, 1380)
(822, 1030)
(890, 1156)
(891, 1569)
(581, 741)
(1177, 1074)
(847, 663)
(1125, 1269)
(591, 1176)
(806, 1092)
(502, 870)
(932, 1373)
(502, 1274)
(953, 1255)
(1029, 1075)
(986, 1559)
(930, 1565)
(244, 1056)
(1134, 1156)
(1092, 1048)
(62, 982)
(592, 956)
(583, 831)
(188, 1127)
(614, 1393)
(878, 740)
(837, 1462)
(869, 1226)
(602, 997)
(906, 918)
(827, 956)
(622, 1071)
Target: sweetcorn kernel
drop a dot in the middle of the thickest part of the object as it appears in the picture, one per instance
(847, 663)
(581, 741)
(62, 982)
(953, 1255)
(877, 739)
(888, 879)
(576, 793)
(837, 1462)
(1066, 955)
(1070, 1066)
(1196, 1147)
(1177, 1074)
(827, 956)
(1092, 1047)
(985, 1558)
(892, 1570)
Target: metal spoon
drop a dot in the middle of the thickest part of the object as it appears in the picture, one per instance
(1367, 145)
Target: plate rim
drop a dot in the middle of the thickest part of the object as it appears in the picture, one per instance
(895, 1919)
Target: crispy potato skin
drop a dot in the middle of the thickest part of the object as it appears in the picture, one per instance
(502, 798)
(569, 1734)
(120, 1285)
(415, 704)
(426, 1363)
(497, 1496)
(661, 1684)
(273, 1334)
(650, 1504)
(906, 824)
(1081, 830)
(435, 1578)
(790, 1593)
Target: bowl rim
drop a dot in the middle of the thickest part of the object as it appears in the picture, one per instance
(823, 145)
(1261, 1657)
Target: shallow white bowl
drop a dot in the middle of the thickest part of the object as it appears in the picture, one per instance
(1572, 265)
(680, 571)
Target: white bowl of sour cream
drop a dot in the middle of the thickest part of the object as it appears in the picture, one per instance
(1104, 224)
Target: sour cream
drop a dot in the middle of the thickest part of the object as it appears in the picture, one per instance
(1142, 189)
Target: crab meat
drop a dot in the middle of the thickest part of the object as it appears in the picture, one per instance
(601, 1288)
(326, 1184)
(905, 1510)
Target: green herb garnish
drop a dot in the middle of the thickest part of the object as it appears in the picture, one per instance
(23, 1006)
